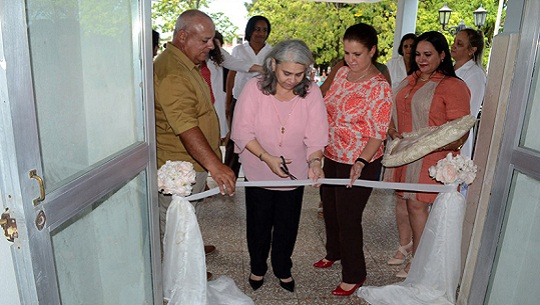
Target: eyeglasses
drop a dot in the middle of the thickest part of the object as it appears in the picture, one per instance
(285, 169)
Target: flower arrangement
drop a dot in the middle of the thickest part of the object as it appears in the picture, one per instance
(454, 170)
(176, 177)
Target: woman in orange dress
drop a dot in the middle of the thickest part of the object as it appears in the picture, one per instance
(430, 96)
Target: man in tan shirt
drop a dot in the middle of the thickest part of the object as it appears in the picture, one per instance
(187, 127)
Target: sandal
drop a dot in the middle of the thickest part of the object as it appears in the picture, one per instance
(405, 250)
(403, 273)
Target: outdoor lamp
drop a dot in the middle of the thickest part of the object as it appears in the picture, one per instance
(479, 16)
(444, 16)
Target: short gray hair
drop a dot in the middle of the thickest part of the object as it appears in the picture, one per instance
(186, 19)
(295, 51)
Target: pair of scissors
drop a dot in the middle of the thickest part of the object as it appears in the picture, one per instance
(285, 169)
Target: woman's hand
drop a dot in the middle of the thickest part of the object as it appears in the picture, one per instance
(393, 133)
(356, 171)
(315, 171)
(275, 164)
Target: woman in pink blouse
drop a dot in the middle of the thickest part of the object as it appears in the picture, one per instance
(358, 105)
(279, 130)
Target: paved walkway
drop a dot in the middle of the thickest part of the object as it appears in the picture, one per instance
(222, 222)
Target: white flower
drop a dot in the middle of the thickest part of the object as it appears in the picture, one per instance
(454, 170)
(176, 177)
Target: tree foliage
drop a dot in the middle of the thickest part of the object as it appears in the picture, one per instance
(165, 13)
(322, 25)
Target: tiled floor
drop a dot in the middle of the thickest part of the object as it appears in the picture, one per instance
(222, 222)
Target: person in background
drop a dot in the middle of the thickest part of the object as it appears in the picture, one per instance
(253, 51)
(155, 42)
(400, 65)
(358, 104)
(187, 127)
(279, 130)
(430, 96)
(219, 60)
(467, 51)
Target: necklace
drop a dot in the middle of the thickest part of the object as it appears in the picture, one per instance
(361, 76)
(283, 124)
(425, 80)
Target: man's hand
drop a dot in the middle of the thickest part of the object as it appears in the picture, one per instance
(225, 179)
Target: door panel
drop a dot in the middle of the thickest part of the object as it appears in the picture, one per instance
(106, 244)
(86, 73)
(78, 110)
(517, 256)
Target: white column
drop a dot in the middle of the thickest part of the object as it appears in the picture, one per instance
(405, 21)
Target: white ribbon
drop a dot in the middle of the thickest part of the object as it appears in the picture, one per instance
(415, 187)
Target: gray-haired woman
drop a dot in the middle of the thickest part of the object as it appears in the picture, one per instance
(279, 129)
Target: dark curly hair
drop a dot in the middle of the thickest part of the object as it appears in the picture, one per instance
(403, 39)
(250, 27)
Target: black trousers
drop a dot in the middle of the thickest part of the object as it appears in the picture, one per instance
(231, 158)
(272, 221)
(343, 208)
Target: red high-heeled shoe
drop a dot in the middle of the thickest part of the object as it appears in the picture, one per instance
(343, 293)
(323, 264)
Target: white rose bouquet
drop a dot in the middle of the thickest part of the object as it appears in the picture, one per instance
(454, 170)
(176, 177)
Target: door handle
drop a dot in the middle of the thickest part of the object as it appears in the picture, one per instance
(33, 175)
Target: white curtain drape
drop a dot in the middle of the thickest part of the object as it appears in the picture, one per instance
(184, 263)
(435, 269)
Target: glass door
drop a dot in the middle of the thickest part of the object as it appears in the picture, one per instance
(81, 130)
(509, 264)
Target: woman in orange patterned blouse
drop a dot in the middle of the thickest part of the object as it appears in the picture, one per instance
(358, 104)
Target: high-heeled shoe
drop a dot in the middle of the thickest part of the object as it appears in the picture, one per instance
(255, 284)
(403, 273)
(342, 292)
(323, 264)
(405, 250)
(287, 285)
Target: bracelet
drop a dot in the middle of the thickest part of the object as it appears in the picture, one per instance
(313, 160)
(391, 128)
(364, 161)
(261, 154)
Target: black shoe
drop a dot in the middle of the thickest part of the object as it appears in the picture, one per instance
(209, 249)
(255, 284)
(287, 285)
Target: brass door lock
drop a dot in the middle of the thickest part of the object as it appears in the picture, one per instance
(9, 225)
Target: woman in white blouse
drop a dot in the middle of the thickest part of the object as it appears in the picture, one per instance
(467, 51)
(399, 66)
(253, 51)
(219, 59)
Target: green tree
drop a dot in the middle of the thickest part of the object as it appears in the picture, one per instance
(165, 13)
(322, 25)
(428, 18)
